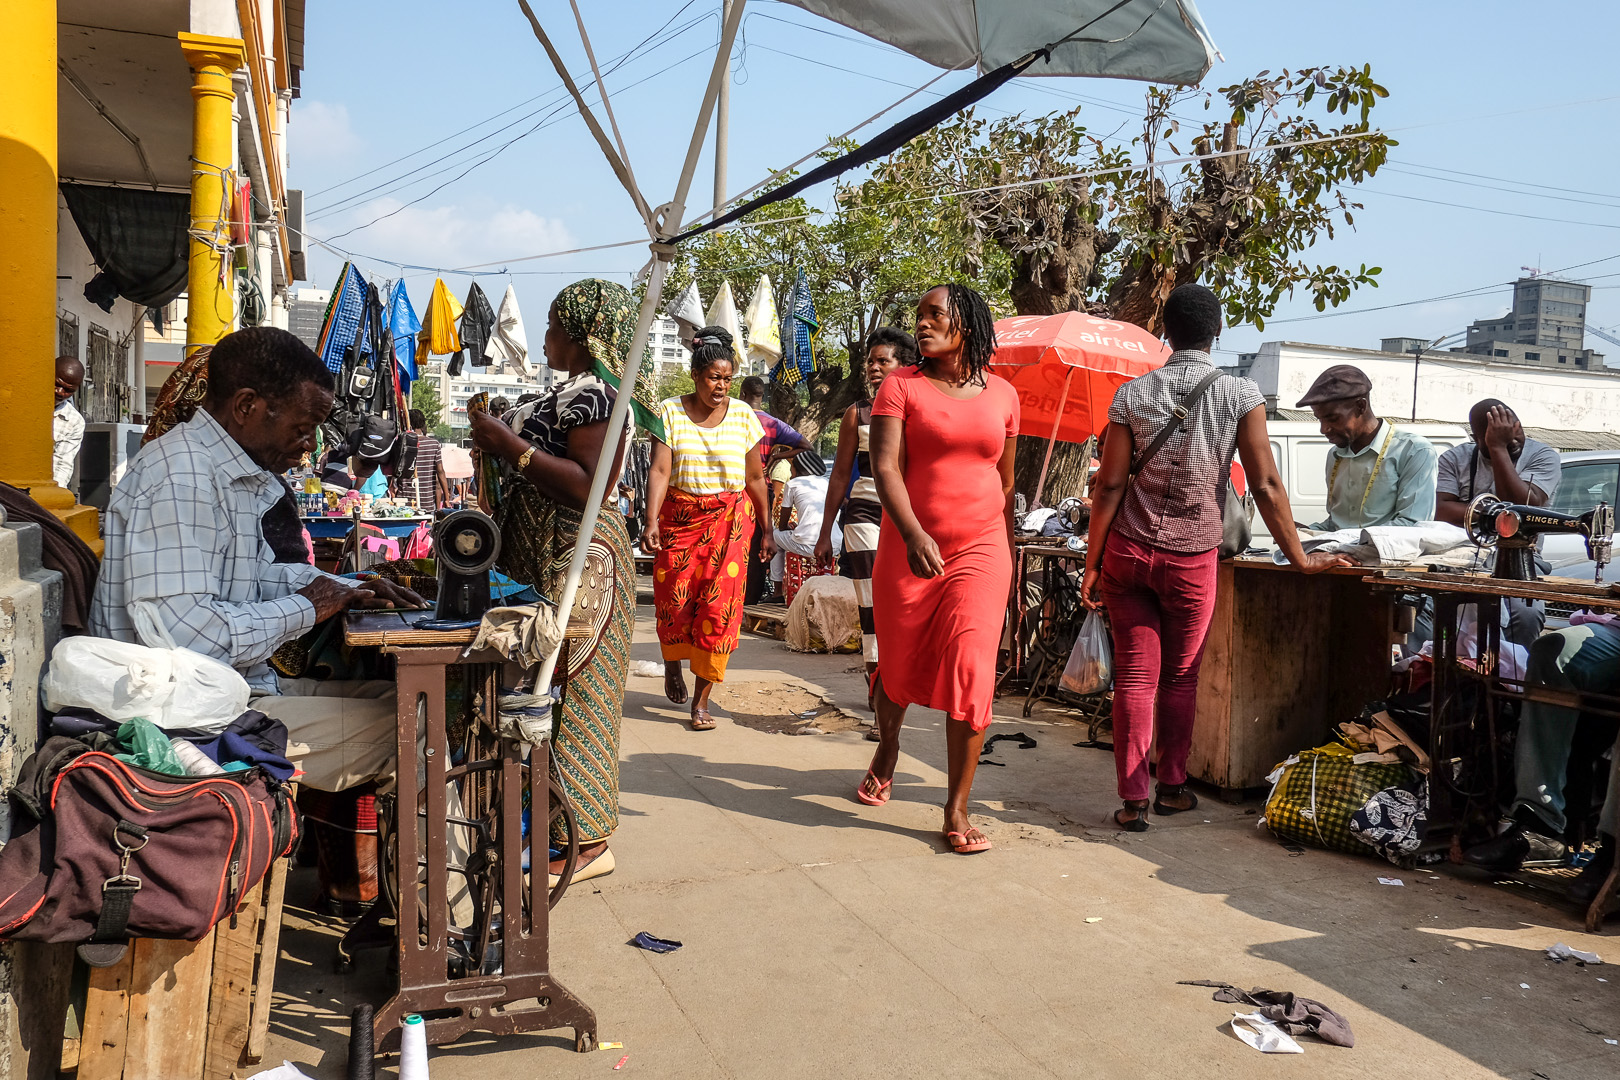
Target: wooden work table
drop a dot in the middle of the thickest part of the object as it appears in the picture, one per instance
(1289, 656)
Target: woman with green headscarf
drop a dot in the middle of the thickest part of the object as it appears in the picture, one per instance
(550, 449)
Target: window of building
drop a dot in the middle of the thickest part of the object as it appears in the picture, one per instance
(672, 352)
(1533, 357)
(1563, 359)
(1499, 352)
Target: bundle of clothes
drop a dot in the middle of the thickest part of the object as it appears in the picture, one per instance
(1432, 543)
(1070, 517)
(252, 739)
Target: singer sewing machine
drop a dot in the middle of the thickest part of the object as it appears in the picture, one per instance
(1512, 529)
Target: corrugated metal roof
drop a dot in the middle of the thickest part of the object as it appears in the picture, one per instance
(1557, 438)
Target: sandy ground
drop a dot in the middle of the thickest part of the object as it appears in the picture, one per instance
(825, 938)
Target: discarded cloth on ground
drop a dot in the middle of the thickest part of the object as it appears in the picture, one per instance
(824, 616)
(1431, 543)
(1294, 1014)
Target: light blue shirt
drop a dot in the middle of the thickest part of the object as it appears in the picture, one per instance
(1401, 492)
(375, 485)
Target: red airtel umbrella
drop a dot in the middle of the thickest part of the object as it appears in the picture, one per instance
(1065, 369)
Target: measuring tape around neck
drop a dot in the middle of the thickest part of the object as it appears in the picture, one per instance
(1333, 478)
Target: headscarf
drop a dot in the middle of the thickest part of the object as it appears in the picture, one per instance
(601, 315)
(183, 392)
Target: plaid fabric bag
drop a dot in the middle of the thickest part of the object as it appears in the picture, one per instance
(1316, 792)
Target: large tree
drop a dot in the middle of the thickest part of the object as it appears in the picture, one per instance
(1084, 227)
(1042, 216)
(866, 261)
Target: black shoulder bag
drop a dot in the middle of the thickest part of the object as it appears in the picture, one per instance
(1236, 509)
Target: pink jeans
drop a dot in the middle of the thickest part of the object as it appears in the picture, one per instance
(1159, 607)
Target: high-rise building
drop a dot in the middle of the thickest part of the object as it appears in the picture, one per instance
(306, 308)
(1546, 326)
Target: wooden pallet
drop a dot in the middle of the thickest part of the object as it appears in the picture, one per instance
(186, 1010)
(767, 619)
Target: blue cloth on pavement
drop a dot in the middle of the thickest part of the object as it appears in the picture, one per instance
(646, 941)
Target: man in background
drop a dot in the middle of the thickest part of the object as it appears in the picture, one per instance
(1376, 473)
(429, 488)
(780, 443)
(67, 425)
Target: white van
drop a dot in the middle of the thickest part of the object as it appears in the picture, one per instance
(1301, 452)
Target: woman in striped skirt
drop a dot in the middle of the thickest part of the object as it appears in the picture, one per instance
(887, 348)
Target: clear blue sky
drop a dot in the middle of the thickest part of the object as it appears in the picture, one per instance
(1504, 102)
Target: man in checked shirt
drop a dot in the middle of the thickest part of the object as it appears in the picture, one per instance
(184, 538)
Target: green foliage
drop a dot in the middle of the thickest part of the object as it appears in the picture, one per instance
(1243, 222)
(425, 396)
(867, 262)
(674, 384)
(1078, 226)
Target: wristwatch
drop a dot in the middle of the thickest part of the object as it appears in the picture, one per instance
(524, 458)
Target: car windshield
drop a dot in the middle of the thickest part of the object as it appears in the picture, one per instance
(1584, 484)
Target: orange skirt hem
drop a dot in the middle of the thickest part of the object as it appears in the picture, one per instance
(710, 666)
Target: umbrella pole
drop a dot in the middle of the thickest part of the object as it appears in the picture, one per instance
(604, 463)
(665, 219)
(1051, 441)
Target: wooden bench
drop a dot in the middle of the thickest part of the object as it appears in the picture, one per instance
(186, 1010)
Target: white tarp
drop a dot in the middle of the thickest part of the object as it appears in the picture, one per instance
(1151, 40)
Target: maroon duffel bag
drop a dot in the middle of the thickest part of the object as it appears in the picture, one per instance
(103, 851)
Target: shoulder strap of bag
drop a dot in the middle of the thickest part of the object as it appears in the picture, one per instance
(1178, 416)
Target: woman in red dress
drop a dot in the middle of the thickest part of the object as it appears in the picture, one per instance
(943, 434)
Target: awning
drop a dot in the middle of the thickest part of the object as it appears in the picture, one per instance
(1152, 40)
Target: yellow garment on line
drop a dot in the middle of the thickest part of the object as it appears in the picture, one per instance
(438, 336)
(708, 461)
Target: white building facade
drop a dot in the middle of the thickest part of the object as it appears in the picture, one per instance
(1444, 385)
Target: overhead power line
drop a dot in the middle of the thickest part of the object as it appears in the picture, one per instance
(612, 66)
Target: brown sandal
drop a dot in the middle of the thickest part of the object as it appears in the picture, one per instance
(701, 721)
(1139, 823)
(1174, 791)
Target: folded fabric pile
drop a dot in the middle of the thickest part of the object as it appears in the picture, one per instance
(1432, 543)
(252, 739)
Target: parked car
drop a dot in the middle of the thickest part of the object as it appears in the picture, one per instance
(1588, 478)
(1301, 452)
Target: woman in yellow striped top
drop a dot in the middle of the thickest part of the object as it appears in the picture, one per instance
(705, 494)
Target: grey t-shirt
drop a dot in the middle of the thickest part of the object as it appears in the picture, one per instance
(1538, 464)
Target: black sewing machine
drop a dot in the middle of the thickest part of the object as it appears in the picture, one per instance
(1512, 529)
(466, 544)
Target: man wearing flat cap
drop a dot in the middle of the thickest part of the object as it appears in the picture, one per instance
(1376, 473)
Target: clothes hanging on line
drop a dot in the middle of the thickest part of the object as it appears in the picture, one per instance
(477, 322)
(508, 343)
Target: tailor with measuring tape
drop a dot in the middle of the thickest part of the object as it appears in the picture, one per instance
(1377, 474)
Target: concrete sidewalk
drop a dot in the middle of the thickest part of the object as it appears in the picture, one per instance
(825, 938)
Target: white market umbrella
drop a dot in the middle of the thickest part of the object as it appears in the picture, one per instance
(687, 311)
(764, 326)
(723, 313)
(1153, 40)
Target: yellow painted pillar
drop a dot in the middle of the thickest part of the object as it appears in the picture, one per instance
(28, 256)
(211, 291)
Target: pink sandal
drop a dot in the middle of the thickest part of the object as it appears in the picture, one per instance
(959, 843)
(883, 787)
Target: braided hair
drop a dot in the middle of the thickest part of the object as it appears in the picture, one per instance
(970, 317)
(710, 344)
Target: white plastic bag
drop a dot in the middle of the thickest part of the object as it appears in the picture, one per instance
(1090, 669)
(181, 691)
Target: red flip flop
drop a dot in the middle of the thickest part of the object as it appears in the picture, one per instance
(883, 787)
(959, 844)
